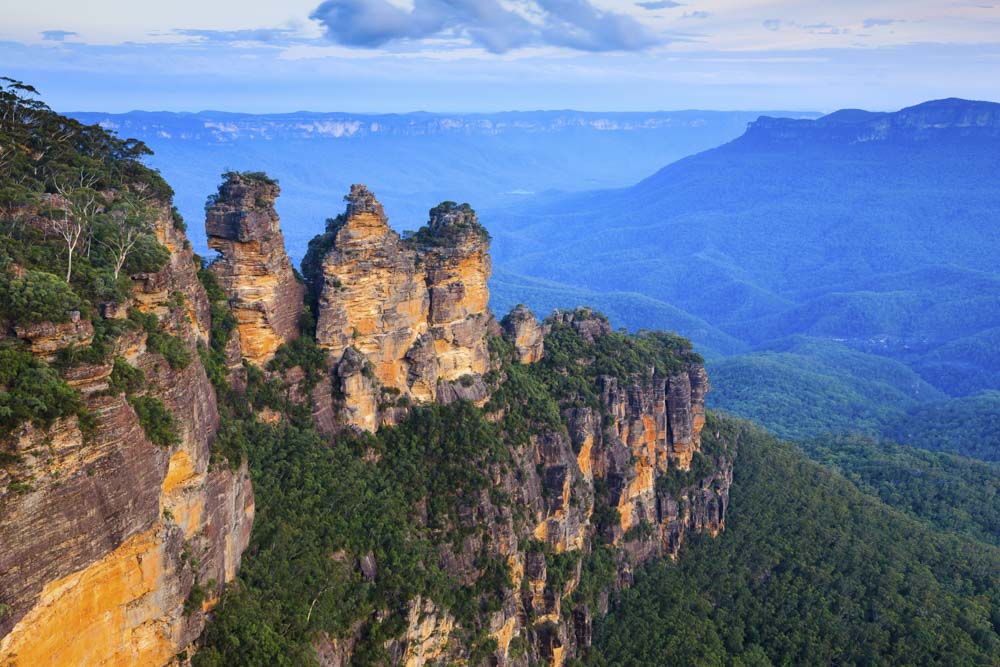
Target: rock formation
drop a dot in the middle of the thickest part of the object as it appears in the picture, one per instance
(252, 266)
(620, 454)
(524, 331)
(415, 309)
(106, 536)
(116, 536)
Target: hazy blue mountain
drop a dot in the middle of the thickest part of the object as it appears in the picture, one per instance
(876, 230)
(414, 161)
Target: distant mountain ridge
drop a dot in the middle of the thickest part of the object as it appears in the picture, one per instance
(414, 160)
(227, 126)
(926, 122)
(877, 231)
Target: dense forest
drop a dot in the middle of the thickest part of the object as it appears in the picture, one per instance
(811, 571)
(804, 387)
(948, 492)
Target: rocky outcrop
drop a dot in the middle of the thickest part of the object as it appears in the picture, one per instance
(527, 335)
(633, 453)
(252, 266)
(414, 309)
(45, 339)
(114, 547)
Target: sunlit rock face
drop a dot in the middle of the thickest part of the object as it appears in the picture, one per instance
(101, 551)
(527, 335)
(252, 267)
(415, 309)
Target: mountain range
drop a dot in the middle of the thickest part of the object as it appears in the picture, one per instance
(415, 160)
(876, 232)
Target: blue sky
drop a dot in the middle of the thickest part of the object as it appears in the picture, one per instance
(489, 55)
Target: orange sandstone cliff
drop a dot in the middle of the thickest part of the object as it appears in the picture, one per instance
(107, 540)
(401, 319)
(252, 266)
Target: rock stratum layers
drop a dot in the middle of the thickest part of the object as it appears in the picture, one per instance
(252, 267)
(617, 477)
(116, 548)
(402, 319)
(120, 547)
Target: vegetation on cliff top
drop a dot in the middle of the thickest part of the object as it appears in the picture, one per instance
(389, 507)
(77, 208)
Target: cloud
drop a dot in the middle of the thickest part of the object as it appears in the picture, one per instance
(57, 35)
(277, 35)
(872, 23)
(659, 4)
(696, 15)
(813, 28)
(498, 28)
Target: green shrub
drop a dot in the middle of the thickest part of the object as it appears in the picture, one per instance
(177, 219)
(172, 348)
(37, 297)
(157, 421)
(125, 378)
(32, 391)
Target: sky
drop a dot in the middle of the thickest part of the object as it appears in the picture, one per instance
(495, 55)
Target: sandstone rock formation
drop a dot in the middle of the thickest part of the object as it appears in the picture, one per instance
(616, 454)
(116, 532)
(105, 535)
(644, 428)
(252, 266)
(415, 309)
(526, 333)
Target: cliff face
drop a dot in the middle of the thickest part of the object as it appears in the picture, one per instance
(631, 453)
(105, 535)
(948, 120)
(625, 478)
(415, 310)
(252, 266)
(120, 546)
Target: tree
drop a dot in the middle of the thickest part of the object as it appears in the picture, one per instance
(130, 222)
(76, 212)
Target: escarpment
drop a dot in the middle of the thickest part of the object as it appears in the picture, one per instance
(403, 320)
(603, 467)
(593, 459)
(252, 267)
(117, 530)
(440, 488)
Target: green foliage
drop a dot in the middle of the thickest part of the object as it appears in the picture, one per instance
(156, 420)
(969, 426)
(177, 219)
(355, 495)
(68, 187)
(173, 349)
(125, 378)
(36, 297)
(463, 222)
(194, 599)
(303, 353)
(809, 571)
(312, 263)
(258, 176)
(213, 357)
(948, 492)
(814, 387)
(31, 391)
